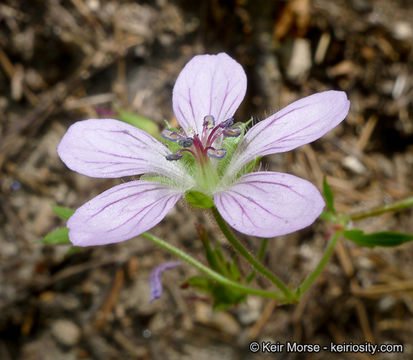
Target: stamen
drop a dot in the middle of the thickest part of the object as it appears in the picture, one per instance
(233, 132)
(226, 123)
(171, 135)
(216, 153)
(186, 142)
(209, 122)
(173, 157)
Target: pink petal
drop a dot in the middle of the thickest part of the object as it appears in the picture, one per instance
(108, 148)
(208, 85)
(269, 204)
(121, 213)
(299, 123)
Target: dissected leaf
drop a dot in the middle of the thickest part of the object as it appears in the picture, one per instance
(328, 194)
(384, 238)
(64, 212)
(59, 236)
(143, 123)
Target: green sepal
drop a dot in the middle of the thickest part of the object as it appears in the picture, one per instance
(58, 236)
(328, 194)
(143, 123)
(199, 199)
(155, 178)
(63, 212)
(231, 144)
(250, 166)
(169, 127)
(384, 238)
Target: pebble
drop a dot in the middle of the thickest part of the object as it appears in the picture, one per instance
(250, 311)
(299, 62)
(353, 164)
(66, 332)
(222, 320)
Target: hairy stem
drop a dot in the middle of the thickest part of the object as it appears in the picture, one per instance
(398, 205)
(211, 273)
(322, 263)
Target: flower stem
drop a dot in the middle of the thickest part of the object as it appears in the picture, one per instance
(211, 273)
(398, 205)
(322, 263)
(247, 256)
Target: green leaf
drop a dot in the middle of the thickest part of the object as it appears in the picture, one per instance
(143, 123)
(328, 194)
(200, 283)
(328, 216)
(385, 238)
(233, 268)
(59, 236)
(225, 297)
(198, 199)
(64, 212)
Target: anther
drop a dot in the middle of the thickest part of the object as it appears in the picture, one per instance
(233, 132)
(185, 142)
(226, 123)
(216, 153)
(173, 157)
(171, 135)
(209, 121)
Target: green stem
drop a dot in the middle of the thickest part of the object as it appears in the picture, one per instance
(211, 273)
(323, 261)
(247, 256)
(398, 205)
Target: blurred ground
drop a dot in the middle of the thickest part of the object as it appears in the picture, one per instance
(62, 61)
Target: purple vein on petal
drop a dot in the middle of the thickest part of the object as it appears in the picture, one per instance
(148, 208)
(121, 199)
(256, 203)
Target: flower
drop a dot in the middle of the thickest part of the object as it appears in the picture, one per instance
(209, 157)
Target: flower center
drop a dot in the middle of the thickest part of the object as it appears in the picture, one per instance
(202, 146)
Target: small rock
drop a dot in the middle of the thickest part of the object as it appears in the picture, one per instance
(250, 311)
(353, 164)
(387, 303)
(403, 30)
(297, 59)
(66, 332)
(222, 321)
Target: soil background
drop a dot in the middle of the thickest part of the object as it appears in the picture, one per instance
(68, 60)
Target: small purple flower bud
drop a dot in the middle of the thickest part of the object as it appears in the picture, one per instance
(155, 281)
(227, 123)
(173, 157)
(209, 121)
(233, 132)
(185, 142)
(170, 135)
(216, 153)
